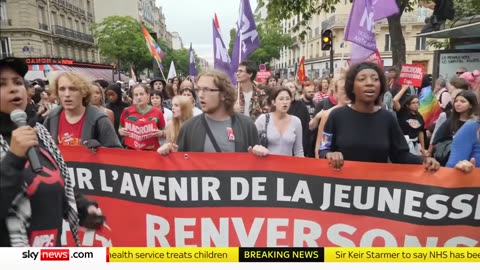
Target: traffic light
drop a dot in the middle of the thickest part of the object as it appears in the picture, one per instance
(327, 40)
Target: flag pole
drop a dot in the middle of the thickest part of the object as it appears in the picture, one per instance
(239, 59)
(160, 67)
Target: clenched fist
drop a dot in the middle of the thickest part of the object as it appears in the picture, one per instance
(22, 139)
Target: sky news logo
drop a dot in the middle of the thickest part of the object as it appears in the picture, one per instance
(55, 255)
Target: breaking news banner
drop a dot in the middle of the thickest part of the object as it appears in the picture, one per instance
(210, 255)
(239, 200)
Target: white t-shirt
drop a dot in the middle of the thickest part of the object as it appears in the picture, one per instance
(196, 111)
(167, 115)
(248, 103)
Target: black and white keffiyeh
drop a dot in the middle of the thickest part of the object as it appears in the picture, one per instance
(18, 218)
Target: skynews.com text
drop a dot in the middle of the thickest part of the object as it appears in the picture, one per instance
(63, 254)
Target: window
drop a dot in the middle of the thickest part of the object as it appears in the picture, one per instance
(54, 18)
(58, 51)
(47, 50)
(5, 47)
(62, 21)
(421, 44)
(3, 10)
(388, 43)
(41, 15)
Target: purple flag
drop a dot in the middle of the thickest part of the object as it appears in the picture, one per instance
(384, 8)
(361, 24)
(359, 53)
(221, 59)
(246, 40)
(192, 70)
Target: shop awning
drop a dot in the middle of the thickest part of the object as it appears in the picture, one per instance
(42, 71)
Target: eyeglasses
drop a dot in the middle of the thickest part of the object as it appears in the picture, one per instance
(207, 90)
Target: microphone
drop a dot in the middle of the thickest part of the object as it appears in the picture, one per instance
(19, 117)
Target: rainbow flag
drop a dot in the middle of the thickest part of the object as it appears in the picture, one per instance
(153, 47)
(429, 107)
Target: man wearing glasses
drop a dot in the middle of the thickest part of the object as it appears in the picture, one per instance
(251, 101)
(219, 128)
(460, 71)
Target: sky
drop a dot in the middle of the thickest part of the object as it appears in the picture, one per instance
(192, 19)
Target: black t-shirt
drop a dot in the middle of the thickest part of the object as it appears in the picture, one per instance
(410, 123)
(325, 104)
(299, 109)
(310, 106)
(369, 137)
(445, 132)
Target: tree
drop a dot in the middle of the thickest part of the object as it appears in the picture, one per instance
(272, 40)
(121, 42)
(466, 8)
(463, 9)
(279, 10)
(181, 58)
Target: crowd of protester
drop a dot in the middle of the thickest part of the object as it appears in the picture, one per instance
(360, 115)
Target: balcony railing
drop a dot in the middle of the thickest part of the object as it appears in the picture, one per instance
(6, 54)
(5, 22)
(337, 20)
(341, 20)
(61, 3)
(43, 26)
(65, 32)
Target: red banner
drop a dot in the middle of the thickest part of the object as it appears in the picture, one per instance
(411, 75)
(263, 75)
(210, 199)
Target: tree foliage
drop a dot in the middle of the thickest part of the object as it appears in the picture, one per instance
(181, 58)
(272, 40)
(279, 10)
(120, 40)
(466, 8)
(463, 9)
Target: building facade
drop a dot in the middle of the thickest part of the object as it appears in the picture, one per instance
(177, 43)
(105, 9)
(202, 64)
(48, 28)
(141, 10)
(317, 62)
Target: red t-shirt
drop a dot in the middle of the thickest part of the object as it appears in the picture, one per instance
(70, 134)
(141, 128)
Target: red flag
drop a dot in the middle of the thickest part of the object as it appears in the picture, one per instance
(301, 70)
(217, 24)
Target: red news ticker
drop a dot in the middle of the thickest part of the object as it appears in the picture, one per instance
(54, 255)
